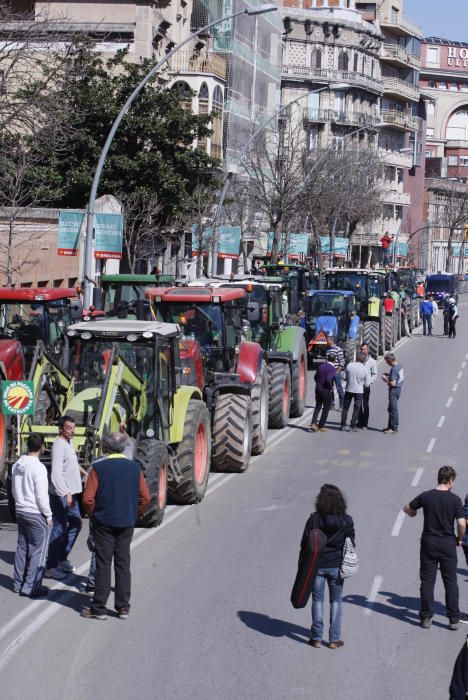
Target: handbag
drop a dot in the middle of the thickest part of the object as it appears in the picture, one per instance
(350, 561)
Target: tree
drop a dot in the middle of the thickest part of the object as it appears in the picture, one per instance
(240, 211)
(451, 212)
(202, 207)
(142, 228)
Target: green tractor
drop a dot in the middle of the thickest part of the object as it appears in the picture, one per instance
(297, 280)
(126, 372)
(123, 295)
(284, 346)
(368, 287)
(402, 282)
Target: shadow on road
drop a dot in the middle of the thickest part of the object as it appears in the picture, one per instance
(7, 556)
(403, 608)
(273, 627)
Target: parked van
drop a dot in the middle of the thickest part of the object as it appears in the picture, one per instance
(442, 285)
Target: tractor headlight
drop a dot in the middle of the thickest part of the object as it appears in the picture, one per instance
(147, 334)
(71, 333)
(86, 335)
(132, 337)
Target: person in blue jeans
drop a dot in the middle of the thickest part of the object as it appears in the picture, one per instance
(332, 519)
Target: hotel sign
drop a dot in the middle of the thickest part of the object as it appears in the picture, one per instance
(457, 57)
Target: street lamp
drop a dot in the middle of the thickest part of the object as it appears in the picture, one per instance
(88, 258)
(244, 149)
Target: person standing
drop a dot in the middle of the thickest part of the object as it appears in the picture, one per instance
(465, 536)
(357, 377)
(441, 508)
(339, 364)
(330, 516)
(426, 310)
(435, 306)
(371, 366)
(34, 520)
(324, 378)
(116, 494)
(394, 380)
(386, 242)
(65, 485)
(452, 317)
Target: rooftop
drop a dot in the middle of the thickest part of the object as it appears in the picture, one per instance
(445, 42)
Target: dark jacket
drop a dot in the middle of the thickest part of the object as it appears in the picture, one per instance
(324, 377)
(459, 684)
(116, 492)
(337, 528)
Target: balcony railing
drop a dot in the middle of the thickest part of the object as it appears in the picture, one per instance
(401, 88)
(400, 120)
(187, 62)
(312, 114)
(323, 75)
(394, 197)
(401, 21)
(399, 54)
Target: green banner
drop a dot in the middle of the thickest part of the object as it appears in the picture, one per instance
(17, 398)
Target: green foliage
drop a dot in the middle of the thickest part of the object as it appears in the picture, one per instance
(152, 151)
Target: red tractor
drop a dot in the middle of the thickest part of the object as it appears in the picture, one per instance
(230, 370)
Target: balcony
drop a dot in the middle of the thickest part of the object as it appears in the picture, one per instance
(362, 119)
(398, 56)
(399, 120)
(188, 62)
(400, 88)
(399, 21)
(325, 76)
(402, 199)
(395, 158)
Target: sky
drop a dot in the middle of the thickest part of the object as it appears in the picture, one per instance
(447, 19)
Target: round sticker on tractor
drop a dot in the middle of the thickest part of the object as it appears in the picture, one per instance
(17, 398)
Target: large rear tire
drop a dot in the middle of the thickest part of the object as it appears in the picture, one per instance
(389, 332)
(154, 459)
(232, 433)
(350, 350)
(371, 337)
(193, 456)
(260, 399)
(280, 394)
(299, 384)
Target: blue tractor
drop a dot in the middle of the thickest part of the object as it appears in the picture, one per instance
(332, 313)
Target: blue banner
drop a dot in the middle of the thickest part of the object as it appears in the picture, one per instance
(108, 236)
(291, 244)
(456, 251)
(227, 244)
(70, 223)
(340, 245)
(402, 250)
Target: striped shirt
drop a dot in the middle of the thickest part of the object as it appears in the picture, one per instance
(339, 356)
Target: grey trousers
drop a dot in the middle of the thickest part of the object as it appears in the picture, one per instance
(31, 552)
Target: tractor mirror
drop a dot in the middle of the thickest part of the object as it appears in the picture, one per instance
(253, 312)
(97, 297)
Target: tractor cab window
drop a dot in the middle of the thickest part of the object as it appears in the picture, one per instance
(375, 287)
(326, 305)
(58, 319)
(126, 301)
(23, 321)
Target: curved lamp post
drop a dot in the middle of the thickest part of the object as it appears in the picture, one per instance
(88, 258)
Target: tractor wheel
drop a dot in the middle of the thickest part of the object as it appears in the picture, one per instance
(232, 433)
(154, 459)
(299, 385)
(389, 332)
(280, 394)
(193, 456)
(350, 350)
(260, 411)
(371, 337)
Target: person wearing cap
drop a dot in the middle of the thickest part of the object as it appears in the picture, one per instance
(324, 378)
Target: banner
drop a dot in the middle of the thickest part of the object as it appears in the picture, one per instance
(108, 236)
(456, 251)
(227, 244)
(17, 398)
(402, 250)
(292, 245)
(70, 223)
(340, 246)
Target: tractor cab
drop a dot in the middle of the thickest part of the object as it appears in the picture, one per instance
(123, 296)
(330, 313)
(30, 315)
(366, 285)
(261, 309)
(297, 279)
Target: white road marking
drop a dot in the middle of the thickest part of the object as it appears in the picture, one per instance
(459, 375)
(463, 365)
(398, 523)
(417, 476)
(466, 356)
(376, 585)
(449, 402)
(455, 387)
(430, 447)
(441, 421)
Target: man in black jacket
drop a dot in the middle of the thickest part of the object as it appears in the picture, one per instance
(459, 685)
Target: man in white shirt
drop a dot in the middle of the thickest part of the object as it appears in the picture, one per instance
(371, 366)
(357, 377)
(65, 485)
(34, 520)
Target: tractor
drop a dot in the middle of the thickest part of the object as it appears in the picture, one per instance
(230, 370)
(126, 372)
(403, 282)
(368, 287)
(284, 348)
(332, 313)
(123, 295)
(298, 279)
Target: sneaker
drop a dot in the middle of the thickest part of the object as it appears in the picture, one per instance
(454, 625)
(122, 613)
(316, 643)
(313, 427)
(41, 592)
(91, 614)
(66, 566)
(363, 427)
(336, 645)
(57, 573)
(342, 427)
(388, 431)
(354, 430)
(323, 429)
(85, 588)
(426, 623)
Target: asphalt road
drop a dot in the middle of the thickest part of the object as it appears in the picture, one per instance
(211, 617)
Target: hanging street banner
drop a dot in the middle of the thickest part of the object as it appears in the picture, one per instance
(17, 398)
(340, 246)
(69, 228)
(402, 249)
(108, 236)
(227, 244)
(456, 251)
(292, 245)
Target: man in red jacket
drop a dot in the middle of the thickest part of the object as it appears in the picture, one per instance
(386, 242)
(116, 494)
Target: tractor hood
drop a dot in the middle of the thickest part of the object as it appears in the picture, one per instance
(11, 355)
(327, 325)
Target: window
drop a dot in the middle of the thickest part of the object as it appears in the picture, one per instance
(464, 161)
(432, 55)
(442, 85)
(453, 160)
(457, 126)
(453, 87)
(430, 109)
(464, 87)
(316, 59)
(355, 63)
(203, 108)
(431, 84)
(343, 61)
(430, 131)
